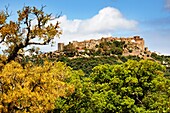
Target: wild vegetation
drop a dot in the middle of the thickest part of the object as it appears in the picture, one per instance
(87, 64)
(95, 84)
(129, 87)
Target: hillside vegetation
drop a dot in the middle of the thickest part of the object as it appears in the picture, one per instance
(103, 82)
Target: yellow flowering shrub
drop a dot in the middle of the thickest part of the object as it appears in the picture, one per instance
(33, 88)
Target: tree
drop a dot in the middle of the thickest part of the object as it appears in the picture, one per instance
(131, 87)
(87, 64)
(33, 88)
(22, 33)
(117, 51)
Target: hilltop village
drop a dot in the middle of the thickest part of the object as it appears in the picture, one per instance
(110, 47)
(131, 46)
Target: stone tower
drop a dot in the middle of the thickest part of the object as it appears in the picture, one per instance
(60, 47)
(140, 42)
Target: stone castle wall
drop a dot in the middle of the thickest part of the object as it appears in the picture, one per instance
(135, 45)
(90, 44)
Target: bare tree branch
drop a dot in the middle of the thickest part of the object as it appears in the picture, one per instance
(39, 43)
(2, 40)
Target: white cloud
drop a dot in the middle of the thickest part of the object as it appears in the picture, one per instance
(105, 23)
(107, 20)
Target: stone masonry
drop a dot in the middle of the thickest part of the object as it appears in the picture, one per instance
(136, 43)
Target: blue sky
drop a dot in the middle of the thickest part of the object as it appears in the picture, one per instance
(93, 19)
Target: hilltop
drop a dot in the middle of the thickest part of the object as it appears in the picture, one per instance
(110, 50)
(108, 46)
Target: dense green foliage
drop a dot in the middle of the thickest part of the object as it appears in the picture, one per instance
(131, 87)
(108, 48)
(165, 60)
(161, 58)
(87, 64)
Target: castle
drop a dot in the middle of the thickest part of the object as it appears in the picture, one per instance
(135, 45)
